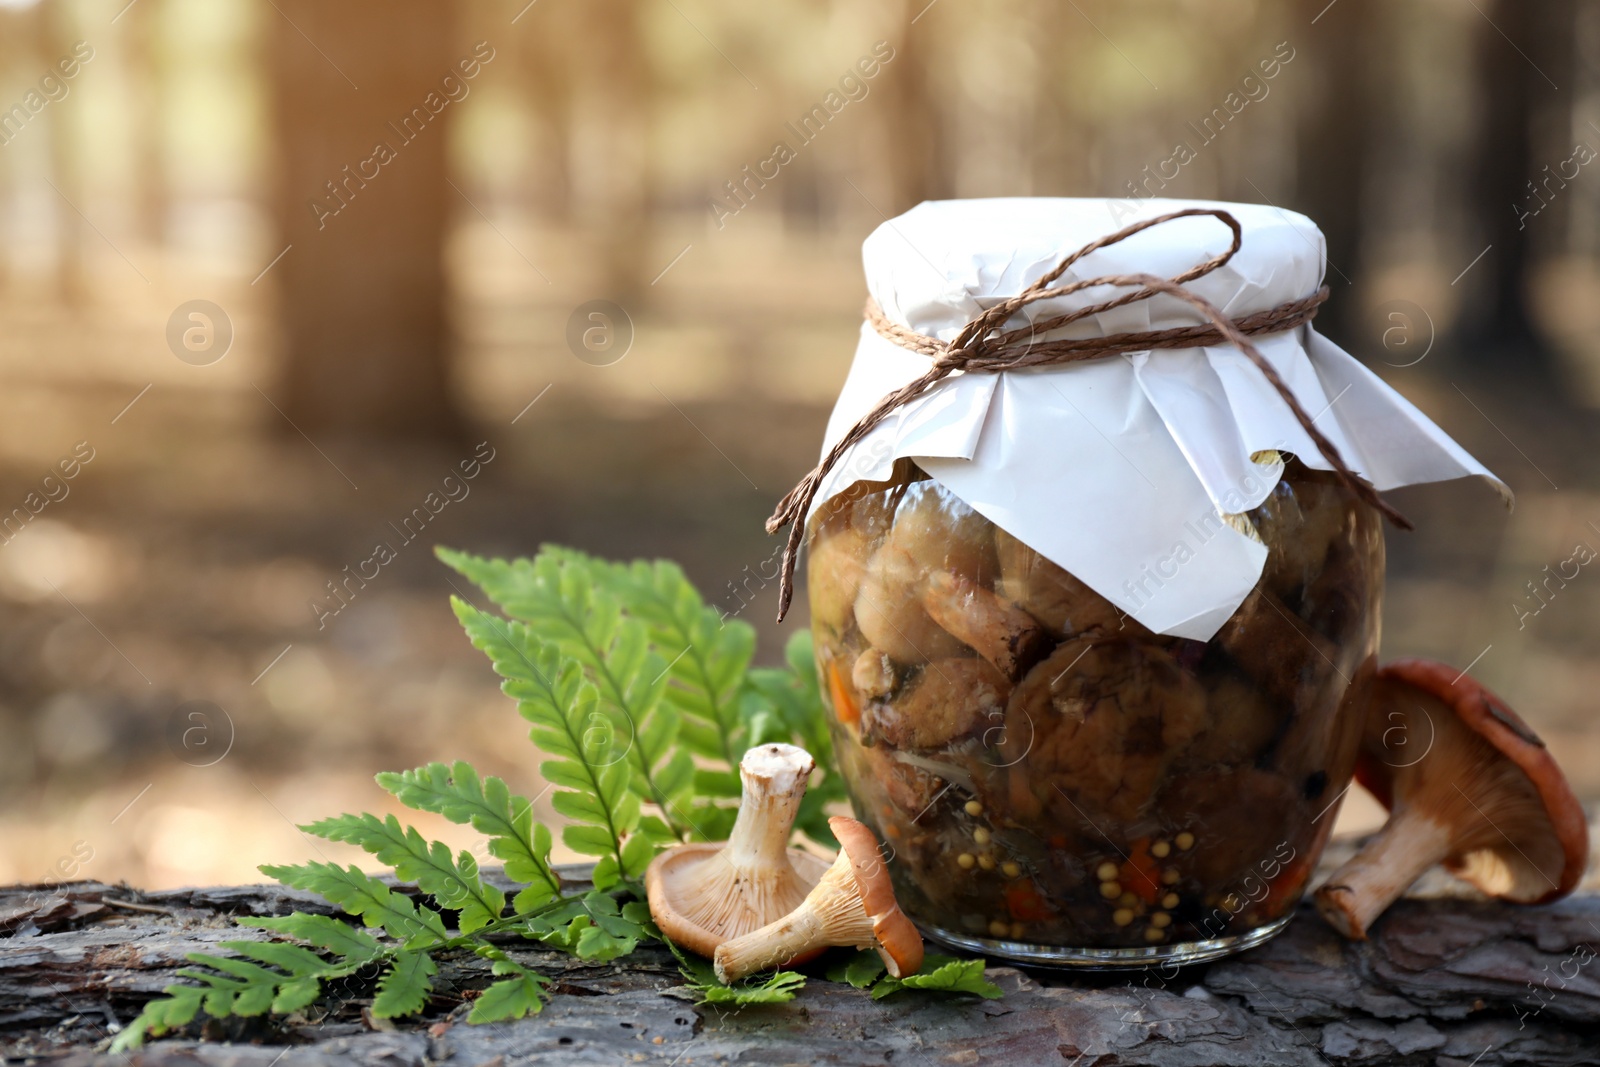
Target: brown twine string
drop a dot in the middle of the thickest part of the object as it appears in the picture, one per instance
(983, 347)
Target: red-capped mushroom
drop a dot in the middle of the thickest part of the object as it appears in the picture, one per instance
(704, 893)
(1467, 784)
(853, 905)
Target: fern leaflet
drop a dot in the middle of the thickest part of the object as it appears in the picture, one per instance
(452, 881)
(404, 990)
(361, 894)
(455, 791)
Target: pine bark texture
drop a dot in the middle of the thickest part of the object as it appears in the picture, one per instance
(1441, 982)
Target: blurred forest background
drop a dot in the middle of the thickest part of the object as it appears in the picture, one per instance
(373, 316)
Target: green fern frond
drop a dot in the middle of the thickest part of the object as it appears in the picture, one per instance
(943, 974)
(452, 881)
(417, 926)
(707, 656)
(270, 976)
(323, 931)
(489, 807)
(593, 927)
(591, 778)
(177, 1008)
(561, 599)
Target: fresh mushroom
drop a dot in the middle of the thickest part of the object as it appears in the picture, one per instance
(1467, 784)
(996, 629)
(704, 893)
(853, 905)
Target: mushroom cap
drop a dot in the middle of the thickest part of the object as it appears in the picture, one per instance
(1509, 873)
(687, 875)
(899, 941)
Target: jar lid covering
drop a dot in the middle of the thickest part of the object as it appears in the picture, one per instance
(1117, 468)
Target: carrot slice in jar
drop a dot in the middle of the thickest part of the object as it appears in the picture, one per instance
(844, 704)
(1140, 874)
(1025, 904)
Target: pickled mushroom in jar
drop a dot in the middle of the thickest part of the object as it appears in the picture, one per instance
(1053, 595)
(932, 532)
(996, 629)
(948, 699)
(1048, 767)
(1244, 723)
(1095, 727)
(842, 536)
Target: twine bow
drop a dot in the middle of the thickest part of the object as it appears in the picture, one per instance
(984, 347)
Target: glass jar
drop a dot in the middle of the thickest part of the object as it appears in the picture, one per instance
(1054, 782)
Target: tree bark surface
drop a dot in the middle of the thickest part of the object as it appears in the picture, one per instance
(1445, 982)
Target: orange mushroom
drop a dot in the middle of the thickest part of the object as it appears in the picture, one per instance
(1485, 798)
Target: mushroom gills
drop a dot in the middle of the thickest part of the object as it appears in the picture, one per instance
(1481, 797)
(703, 893)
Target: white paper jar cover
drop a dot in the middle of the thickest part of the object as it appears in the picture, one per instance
(1117, 469)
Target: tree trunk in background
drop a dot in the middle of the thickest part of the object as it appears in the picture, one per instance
(907, 116)
(1334, 137)
(1513, 89)
(57, 30)
(614, 158)
(363, 288)
(147, 64)
(543, 86)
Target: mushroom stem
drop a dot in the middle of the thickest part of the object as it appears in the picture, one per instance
(852, 905)
(831, 915)
(773, 779)
(1375, 877)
